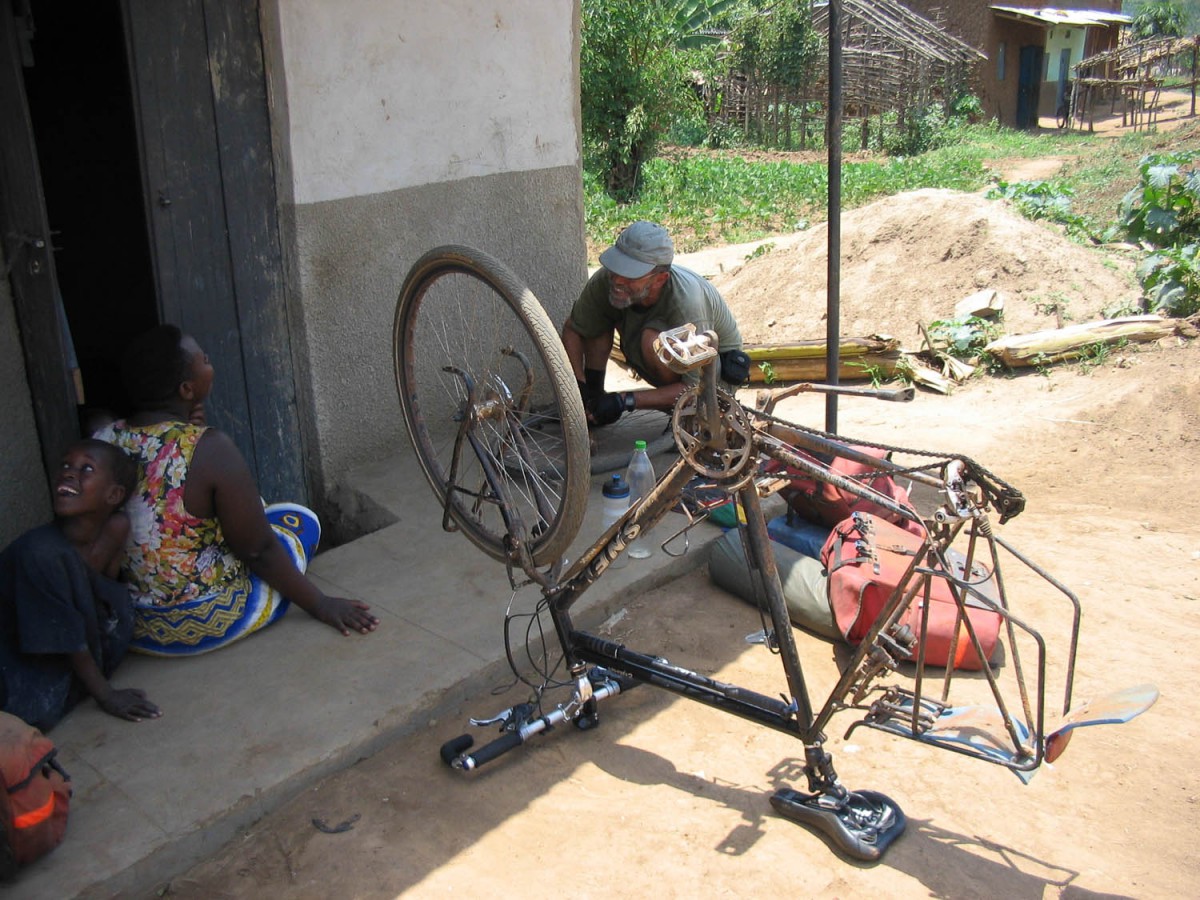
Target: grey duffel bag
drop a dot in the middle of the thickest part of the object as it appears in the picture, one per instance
(803, 579)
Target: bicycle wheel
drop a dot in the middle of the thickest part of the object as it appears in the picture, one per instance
(491, 404)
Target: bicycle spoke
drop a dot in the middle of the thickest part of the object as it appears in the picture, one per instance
(476, 352)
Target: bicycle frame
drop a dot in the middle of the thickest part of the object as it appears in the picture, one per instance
(726, 442)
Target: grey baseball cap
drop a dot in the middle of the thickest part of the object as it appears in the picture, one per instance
(638, 249)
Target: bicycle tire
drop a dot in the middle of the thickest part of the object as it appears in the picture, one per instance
(458, 312)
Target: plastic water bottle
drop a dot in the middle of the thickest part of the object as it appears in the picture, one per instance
(616, 503)
(640, 476)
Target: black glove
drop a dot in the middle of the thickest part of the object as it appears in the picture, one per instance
(735, 366)
(592, 385)
(607, 408)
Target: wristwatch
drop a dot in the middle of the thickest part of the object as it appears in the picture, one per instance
(628, 402)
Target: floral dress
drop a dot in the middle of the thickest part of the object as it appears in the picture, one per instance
(191, 594)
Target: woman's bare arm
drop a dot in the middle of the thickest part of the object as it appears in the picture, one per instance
(220, 485)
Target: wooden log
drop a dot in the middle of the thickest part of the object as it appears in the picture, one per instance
(815, 349)
(1060, 344)
(805, 360)
(859, 367)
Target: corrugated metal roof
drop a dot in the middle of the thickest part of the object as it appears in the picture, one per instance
(1075, 17)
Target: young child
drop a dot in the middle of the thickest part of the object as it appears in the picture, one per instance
(64, 622)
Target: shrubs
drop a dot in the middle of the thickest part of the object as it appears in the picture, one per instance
(1163, 214)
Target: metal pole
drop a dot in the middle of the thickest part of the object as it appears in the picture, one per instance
(834, 251)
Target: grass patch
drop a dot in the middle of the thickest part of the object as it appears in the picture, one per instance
(723, 197)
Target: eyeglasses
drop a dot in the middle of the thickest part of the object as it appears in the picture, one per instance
(622, 280)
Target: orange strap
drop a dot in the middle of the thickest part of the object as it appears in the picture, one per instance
(36, 816)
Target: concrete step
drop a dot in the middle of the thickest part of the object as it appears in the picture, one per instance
(248, 727)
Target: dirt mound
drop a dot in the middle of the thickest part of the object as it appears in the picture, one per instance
(910, 258)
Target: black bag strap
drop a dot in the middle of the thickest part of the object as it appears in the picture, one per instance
(48, 760)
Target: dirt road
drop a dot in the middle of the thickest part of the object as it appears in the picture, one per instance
(670, 799)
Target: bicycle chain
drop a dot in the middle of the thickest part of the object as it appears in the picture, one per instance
(1003, 497)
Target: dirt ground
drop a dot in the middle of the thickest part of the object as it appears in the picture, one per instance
(670, 799)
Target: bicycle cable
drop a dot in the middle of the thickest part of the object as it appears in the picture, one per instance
(541, 667)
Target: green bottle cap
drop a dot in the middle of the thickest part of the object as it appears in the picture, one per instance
(639, 445)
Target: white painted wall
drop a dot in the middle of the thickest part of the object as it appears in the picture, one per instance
(390, 94)
(1057, 39)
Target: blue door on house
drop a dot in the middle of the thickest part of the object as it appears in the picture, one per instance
(1027, 87)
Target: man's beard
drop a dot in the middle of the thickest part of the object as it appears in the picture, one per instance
(633, 299)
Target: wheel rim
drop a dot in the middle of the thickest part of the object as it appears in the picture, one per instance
(469, 354)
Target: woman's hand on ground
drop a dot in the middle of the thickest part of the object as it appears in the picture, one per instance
(130, 704)
(345, 615)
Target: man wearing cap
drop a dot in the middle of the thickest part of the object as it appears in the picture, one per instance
(637, 293)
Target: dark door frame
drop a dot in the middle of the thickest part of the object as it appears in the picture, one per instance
(25, 230)
(239, 314)
(1029, 80)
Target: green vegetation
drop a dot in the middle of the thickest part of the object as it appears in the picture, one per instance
(1159, 18)
(879, 376)
(636, 60)
(713, 198)
(1057, 306)
(651, 135)
(1163, 213)
(760, 250)
(1050, 200)
(963, 338)
(729, 196)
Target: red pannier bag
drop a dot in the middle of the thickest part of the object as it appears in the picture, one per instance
(865, 558)
(36, 795)
(826, 504)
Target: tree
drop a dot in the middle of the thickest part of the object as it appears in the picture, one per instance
(1159, 18)
(775, 45)
(635, 77)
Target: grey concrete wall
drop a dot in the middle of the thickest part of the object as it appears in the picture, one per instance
(351, 259)
(24, 494)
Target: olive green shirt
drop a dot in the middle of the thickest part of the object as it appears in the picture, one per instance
(686, 297)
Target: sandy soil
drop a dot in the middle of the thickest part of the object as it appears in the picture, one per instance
(670, 799)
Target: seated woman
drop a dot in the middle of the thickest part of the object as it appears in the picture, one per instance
(206, 563)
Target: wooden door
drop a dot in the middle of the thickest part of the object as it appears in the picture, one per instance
(1028, 82)
(200, 102)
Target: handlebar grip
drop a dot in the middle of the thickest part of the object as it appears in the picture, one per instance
(488, 752)
(899, 395)
(453, 749)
